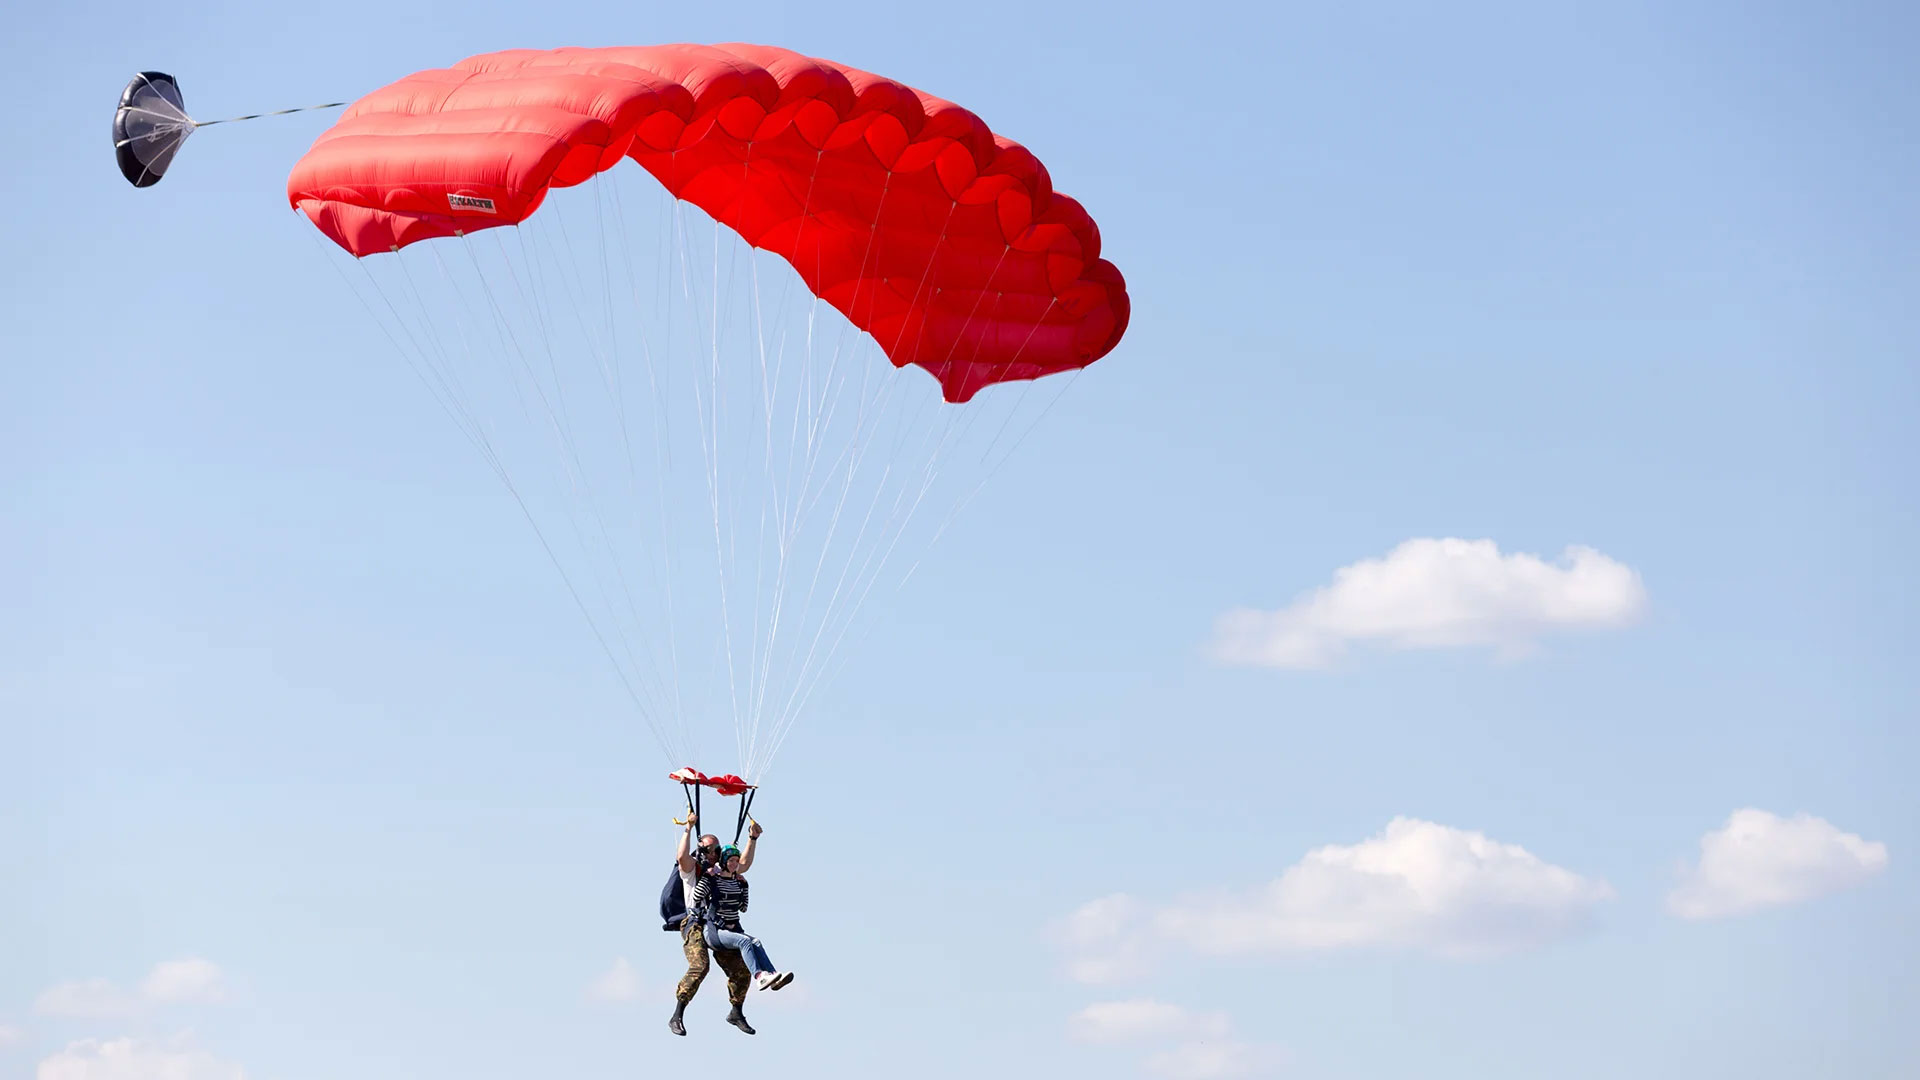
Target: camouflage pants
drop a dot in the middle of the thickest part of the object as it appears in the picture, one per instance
(693, 939)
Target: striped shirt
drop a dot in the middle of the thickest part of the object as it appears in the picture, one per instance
(725, 896)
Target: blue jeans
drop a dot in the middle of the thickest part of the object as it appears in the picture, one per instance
(749, 946)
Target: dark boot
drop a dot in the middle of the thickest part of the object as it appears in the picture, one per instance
(674, 1025)
(739, 1019)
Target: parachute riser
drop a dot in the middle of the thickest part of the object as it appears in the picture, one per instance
(691, 791)
(746, 807)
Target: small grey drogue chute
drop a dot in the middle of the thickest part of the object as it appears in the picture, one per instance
(151, 124)
(149, 127)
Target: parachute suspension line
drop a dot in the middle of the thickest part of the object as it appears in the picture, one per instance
(856, 443)
(442, 383)
(859, 581)
(1003, 370)
(662, 578)
(810, 675)
(616, 386)
(728, 482)
(725, 490)
(789, 513)
(762, 656)
(920, 287)
(626, 675)
(973, 416)
(582, 489)
(804, 689)
(855, 453)
(559, 419)
(1025, 392)
(659, 380)
(770, 496)
(993, 468)
(818, 669)
(769, 499)
(708, 399)
(445, 374)
(882, 541)
(331, 259)
(610, 381)
(661, 583)
(707, 406)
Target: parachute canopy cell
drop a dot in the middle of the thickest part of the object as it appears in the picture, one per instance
(149, 126)
(905, 212)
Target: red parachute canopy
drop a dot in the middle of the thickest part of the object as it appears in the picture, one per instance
(943, 240)
(728, 784)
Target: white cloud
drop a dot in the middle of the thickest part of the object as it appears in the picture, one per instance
(1415, 885)
(177, 981)
(171, 982)
(1759, 860)
(11, 1036)
(136, 1059)
(1195, 1045)
(86, 999)
(1430, 594)
(1214, 1061)
(1141, 1019)
(1104, 940)
(617, 983)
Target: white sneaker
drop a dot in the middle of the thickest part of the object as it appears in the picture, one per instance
(782, 979)
(764, 980)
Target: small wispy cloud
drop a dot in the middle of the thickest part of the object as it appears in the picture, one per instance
(137, 1059)
(1141, 1019)
(617, 983)
(1437, 594)
(1760, 860)
(1102, 940)
(86, 999)
(11, 1036)
(1221, 1060)
(172, 982)
(177, 981)
(1192, 1045)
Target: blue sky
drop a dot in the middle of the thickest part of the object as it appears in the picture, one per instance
(312, 767)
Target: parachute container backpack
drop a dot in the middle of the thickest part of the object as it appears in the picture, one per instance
(740, 330)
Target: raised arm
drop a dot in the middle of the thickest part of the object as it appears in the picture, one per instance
(684, 855)
(753, 841)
